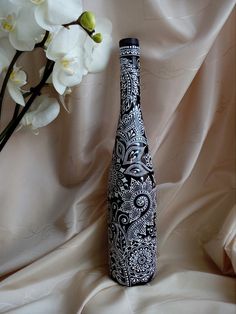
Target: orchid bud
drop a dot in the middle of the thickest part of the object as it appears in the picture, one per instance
(97, 38)
(87, 20)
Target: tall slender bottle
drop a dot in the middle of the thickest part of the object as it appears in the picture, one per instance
(132, 201)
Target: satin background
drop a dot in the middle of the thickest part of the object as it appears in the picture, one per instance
(53, 240)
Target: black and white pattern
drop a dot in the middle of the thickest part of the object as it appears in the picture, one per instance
(131, 189)
(129, 81)
(129, 51)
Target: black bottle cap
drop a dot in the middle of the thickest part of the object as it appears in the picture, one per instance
(129, 42)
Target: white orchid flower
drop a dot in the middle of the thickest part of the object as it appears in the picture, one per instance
(19, 24)
(6, 54)
(68, 70)
(43, 111)
(97, 54)
(50, 13)
(16, 81)
(66, 49)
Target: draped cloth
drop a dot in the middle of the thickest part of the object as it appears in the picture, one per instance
(53, 236)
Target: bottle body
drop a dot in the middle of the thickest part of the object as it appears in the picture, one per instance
(132, 191)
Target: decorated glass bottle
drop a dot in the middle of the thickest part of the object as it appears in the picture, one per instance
(132, 239)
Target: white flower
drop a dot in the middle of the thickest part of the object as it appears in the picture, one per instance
(43, 111)
(50, 13)
(68, 70)
(6, 54)
(16, 81)
(97, 55)
(19, 24)
(66, 49)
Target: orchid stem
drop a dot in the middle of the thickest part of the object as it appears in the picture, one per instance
(36, 91)
(11, 66)
(4, 84)
(16, 111)
(39, 45)
(42, 43)
(4, 132)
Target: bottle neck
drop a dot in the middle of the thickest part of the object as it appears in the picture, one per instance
(129, 77)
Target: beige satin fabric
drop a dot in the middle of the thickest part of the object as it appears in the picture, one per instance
(53, 248)
(222, 246)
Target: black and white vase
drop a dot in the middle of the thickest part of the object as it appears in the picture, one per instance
(132, 193)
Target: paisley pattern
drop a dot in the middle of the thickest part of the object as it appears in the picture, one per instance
(130, 128)
(129, 82)
(131, 189)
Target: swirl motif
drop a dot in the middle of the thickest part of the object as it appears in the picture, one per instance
(138, 199)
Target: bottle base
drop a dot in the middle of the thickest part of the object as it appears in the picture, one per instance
(130, 284)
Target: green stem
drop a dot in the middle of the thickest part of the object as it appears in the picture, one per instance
(77, 22)
(36, 92)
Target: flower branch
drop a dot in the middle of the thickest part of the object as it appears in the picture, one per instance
(36, 92)
(75, 44)
(4, 85)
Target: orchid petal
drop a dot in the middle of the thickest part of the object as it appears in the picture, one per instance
(71, 80)
(2, 34)
(27, 28)
(46, 113)
(58, 85)
(59, 13)
(100, 55)
(6, 8)
(24, 37)
(40, 14)
(97, 55)
(65, 40)
(27, 118)
(63, 102)
(20, 45)
(20, 78)
(15, 93)
(19, 3)
(51, 13)
(103, 26)
(6, 53)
